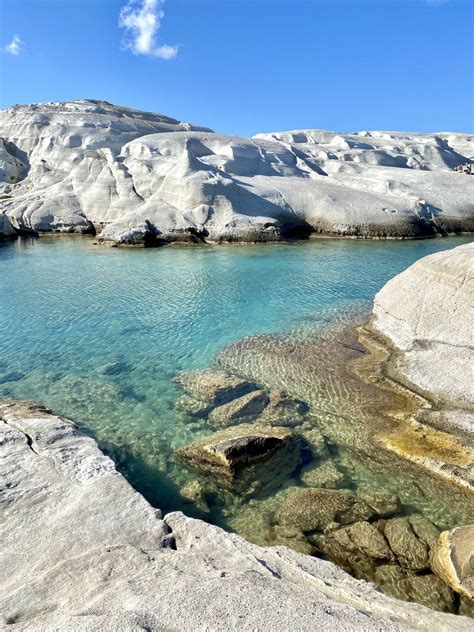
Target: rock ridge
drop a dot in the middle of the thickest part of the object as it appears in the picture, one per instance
(137, 178)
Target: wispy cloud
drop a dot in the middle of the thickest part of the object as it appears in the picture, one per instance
(14, 47)
(141, 19)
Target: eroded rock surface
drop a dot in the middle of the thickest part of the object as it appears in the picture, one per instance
(214, 387)
(141, 178)
(244, 458)
(453, 559)
(427, 311)
(81, 550)
(427, 314)
(6, 229)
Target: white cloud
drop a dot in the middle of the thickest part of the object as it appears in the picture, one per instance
(14, 46)
(142, 20)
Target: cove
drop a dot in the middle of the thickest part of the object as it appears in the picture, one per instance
(99, 334)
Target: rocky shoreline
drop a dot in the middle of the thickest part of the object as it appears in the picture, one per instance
(84, 551)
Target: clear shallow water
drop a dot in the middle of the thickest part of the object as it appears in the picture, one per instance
(70, 310)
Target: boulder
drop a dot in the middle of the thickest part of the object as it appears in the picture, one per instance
(213, 387)
(452, 559)
(194, 493)
(358, 548)
(244, 458)
(426, 589)
(293, 538)
(6, 229)
(192, 407)
(391, 578)
(424, 529)
(412, 553)
(383, 503)
(284, 411)
(315, 509)
(249, 405)
(430, 591)
(323, 474)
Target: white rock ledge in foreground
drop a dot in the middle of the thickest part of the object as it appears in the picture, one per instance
(81, 550)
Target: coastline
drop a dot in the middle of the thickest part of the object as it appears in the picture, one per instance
(116, 563)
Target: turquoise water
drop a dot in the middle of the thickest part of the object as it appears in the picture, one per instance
(99, 333)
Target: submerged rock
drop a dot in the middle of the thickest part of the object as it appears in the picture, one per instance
(116, 368)
(323, 474)
(313, 441)
(430, 591)
(424, 529)
(249, 405)
(214, 387)
(412, 552)
(358, 548)
(391, 578)
(284, 411)
(194, 493)
(313, 509)
(383, 503)
(192, 407)
(453, 559)
(426, 589)
(291, 537)
(244, 458)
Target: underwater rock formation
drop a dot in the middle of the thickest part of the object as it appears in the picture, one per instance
(244, 458)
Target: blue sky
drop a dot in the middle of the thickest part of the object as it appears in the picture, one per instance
(243, 66)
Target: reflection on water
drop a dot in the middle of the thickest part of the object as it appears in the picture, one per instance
(98, 334)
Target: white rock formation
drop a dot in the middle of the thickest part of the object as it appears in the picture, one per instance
(6, 229)
(81, 550)
(144, 178)
(427, 311)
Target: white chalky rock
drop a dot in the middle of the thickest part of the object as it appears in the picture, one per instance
(141, 178)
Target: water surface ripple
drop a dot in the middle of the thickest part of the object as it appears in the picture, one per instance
(99, 333)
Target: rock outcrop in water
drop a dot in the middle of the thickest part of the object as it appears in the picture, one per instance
(246, 458)
(81, 550)
(140, 178)
(427, 314)
(453, 559)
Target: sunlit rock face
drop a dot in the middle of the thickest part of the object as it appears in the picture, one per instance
(141, 178)
(68, 168)
(426, 311)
